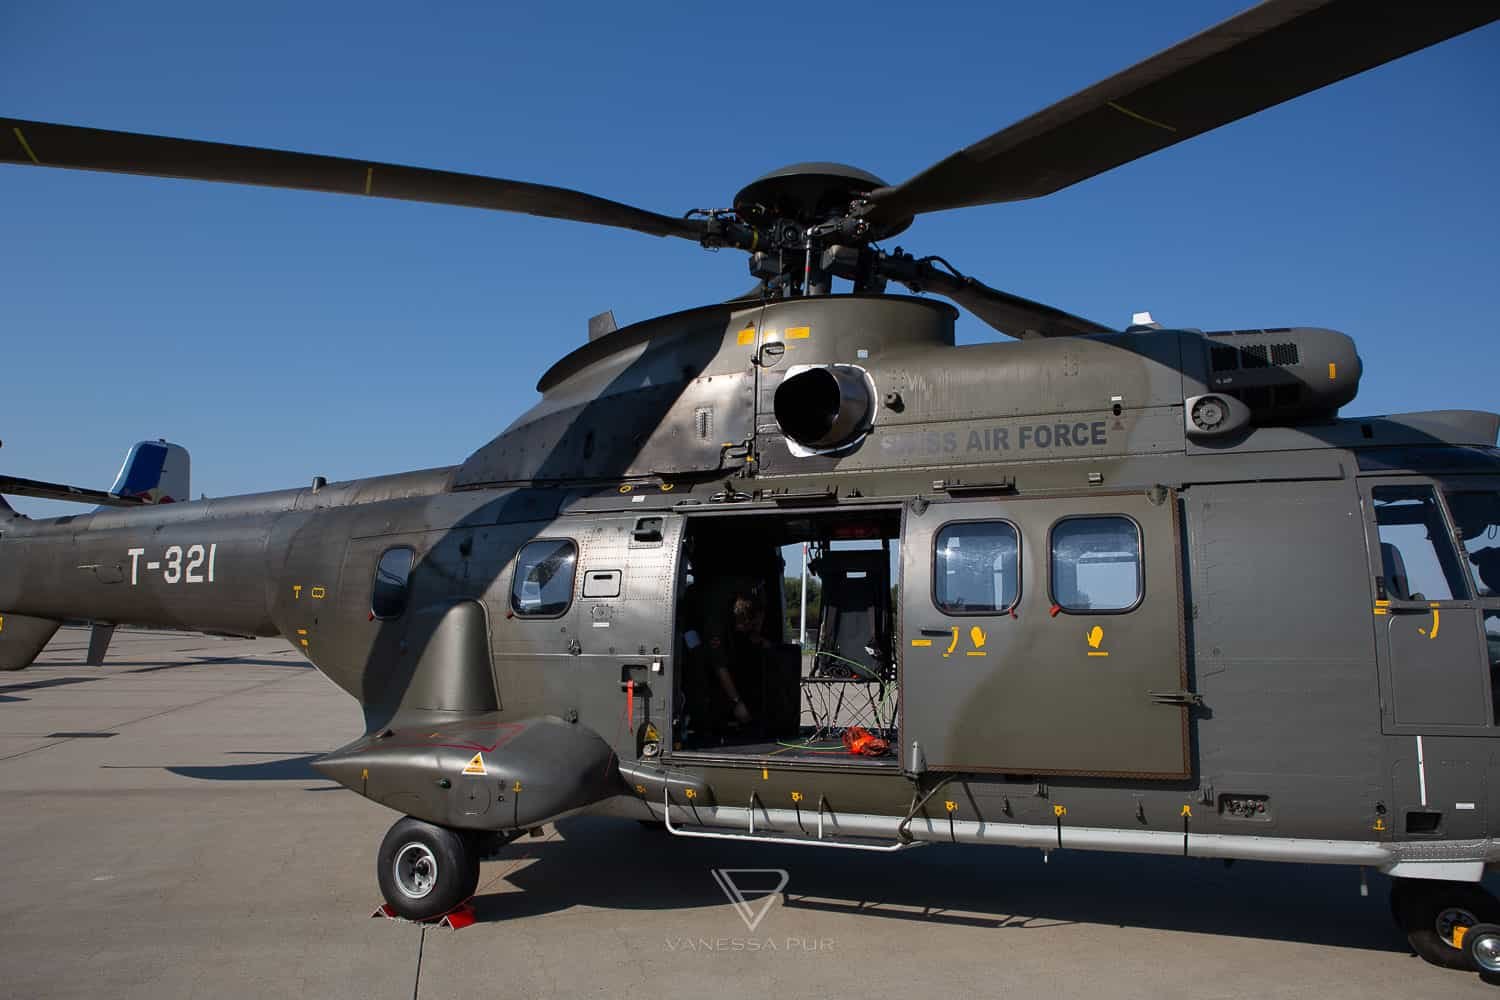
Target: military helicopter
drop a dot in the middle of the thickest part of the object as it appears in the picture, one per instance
(1047, 564)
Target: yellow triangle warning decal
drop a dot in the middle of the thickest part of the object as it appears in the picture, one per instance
(476, 765)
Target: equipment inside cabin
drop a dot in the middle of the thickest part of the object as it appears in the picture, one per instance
(740, 615)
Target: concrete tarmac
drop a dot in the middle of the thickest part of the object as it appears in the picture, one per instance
(163, 836)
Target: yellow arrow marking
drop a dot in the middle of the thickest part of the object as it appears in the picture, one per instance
(952, 645)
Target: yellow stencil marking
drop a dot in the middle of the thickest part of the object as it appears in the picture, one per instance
(976, 652)
(297, 591)
(26, 146)
(303, 641)
(667, 487)
(640, 789)
(1436, 622)
(950, 805)
(1333, 371)
(952, 645)
(977, 637)
(1059, 811)
(796, 796)
(516, 787)
(2, 623)
(626, 488)
(318, 593)
(746, 336)
(1187, 812)
(1379, 826)
(475, 765)
(921, 642)
(798, 332)
(369, 178)
(1139, 117)
(765, 774)
(691, 793)
(302, 631)
(364, 774)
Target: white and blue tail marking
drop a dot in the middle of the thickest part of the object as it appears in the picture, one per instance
(155, 472)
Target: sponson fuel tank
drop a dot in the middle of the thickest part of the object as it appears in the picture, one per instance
(479, 772)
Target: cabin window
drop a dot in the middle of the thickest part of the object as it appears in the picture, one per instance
(1096, 564)
(389, 591)
(1416, 555)
(977, 568)
(543, 584)
(1476, 515)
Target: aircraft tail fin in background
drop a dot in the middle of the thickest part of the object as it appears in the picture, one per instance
(153, 472)
(22, 638)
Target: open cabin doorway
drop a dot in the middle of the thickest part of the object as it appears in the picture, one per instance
(785, 631)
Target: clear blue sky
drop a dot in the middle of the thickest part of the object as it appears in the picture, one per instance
(279, 335)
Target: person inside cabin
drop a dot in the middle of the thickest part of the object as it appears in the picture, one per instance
(734, 660)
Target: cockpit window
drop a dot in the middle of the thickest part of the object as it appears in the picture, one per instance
(1416, 555)
(543, 584)
(1476, 515)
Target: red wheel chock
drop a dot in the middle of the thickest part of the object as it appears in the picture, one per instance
(456, 919)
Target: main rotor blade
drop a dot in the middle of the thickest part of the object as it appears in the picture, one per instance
(1259, 58)
(1010, 314)
(47, 145)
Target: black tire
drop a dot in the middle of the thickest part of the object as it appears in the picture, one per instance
(1482, 946)
(426, 870)
(1426, 910)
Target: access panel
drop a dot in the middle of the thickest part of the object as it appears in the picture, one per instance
(1044, 636)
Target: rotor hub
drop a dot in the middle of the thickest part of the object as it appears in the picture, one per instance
(810, 194)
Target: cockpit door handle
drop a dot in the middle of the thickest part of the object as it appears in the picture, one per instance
(936, 630)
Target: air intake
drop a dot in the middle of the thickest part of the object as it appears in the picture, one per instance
(825, 407)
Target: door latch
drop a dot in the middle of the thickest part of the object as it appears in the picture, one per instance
(575, 648)
(1187, 699)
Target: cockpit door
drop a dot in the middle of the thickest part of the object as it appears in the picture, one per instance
(1426, 616)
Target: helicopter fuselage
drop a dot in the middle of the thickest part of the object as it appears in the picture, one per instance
(1181, 639)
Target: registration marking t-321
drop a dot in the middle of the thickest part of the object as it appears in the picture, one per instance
(194, 563)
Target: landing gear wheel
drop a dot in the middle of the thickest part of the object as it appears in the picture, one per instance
(1482, 946)
(426, 870)
(1429, 911)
